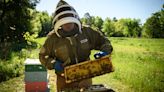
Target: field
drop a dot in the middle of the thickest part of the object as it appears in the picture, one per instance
(138, 62)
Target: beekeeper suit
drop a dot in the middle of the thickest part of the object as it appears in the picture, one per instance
(65, 47)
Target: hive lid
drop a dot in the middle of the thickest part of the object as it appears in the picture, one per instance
(29, 61)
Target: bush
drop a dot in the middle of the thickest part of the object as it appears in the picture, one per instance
(11, 68)
(118, 34)
(12, 63)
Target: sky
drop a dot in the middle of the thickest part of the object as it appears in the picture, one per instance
(139, 9)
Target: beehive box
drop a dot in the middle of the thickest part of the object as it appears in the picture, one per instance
(36, 87)
(36, 77)
(88, 69)
(32, 65)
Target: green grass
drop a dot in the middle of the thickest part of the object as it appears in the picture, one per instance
(138, 62)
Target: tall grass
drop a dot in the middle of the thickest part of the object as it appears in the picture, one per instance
(139, 64)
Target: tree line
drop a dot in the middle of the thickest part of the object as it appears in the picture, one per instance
(19, 17)
(127, 27)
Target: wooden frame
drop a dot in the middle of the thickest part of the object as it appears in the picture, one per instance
(88, 69)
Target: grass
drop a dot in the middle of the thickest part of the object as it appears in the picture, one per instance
(138, 62)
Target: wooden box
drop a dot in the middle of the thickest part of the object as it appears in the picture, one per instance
(88, 69)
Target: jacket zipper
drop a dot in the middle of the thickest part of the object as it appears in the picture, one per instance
(74, 51)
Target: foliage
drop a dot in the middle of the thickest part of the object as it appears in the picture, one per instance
(15, 19)
(46, 23)
(117, 28)
(154, 26)
(87, 20)
(11, 68)
(128, 27)
(108, 27)
(20, 24)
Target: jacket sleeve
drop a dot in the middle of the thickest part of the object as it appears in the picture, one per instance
(46, 56)
(99, 42)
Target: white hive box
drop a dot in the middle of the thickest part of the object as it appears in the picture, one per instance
(36, 77)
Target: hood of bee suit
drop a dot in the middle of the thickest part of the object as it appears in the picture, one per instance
(64, 14)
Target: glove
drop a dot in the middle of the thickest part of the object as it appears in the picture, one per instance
(58, 67)
(100, 54)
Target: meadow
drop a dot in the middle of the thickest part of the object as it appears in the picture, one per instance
(138, 63)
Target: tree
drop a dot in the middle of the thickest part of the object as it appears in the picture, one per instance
(114, 19)
(87, 19)
(15, 19)
(128, 27)
(133, 28)
(14, 23)
(154, 26)
(35, 23)
(98, 22)
(108, 27)
(46, 23)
